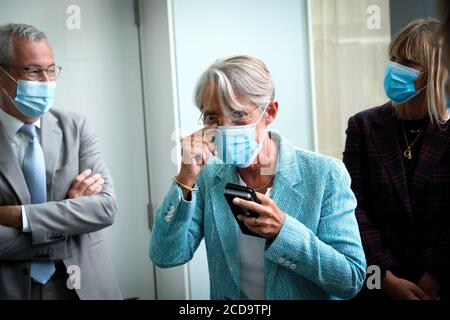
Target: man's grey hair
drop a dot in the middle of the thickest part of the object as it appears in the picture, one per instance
(15, 30)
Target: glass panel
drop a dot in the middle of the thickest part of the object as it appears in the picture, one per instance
(350, 39)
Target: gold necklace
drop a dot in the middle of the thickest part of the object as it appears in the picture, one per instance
(265, 185)
(408, 153)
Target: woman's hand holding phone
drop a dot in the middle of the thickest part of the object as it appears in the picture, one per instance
(270, 219)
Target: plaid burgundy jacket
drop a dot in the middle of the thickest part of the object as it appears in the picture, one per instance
(400, 234)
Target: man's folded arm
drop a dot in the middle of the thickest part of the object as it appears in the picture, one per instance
(17, 246)
(81, 215)
(70, 217)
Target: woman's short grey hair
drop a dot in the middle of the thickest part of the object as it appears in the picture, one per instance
(14, 30)
(235, 80)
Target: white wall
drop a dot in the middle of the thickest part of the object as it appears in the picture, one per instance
(162, 119)
(101, 78)
(272, 30)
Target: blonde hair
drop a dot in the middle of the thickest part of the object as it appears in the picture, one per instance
(416, 42)
(235, 80)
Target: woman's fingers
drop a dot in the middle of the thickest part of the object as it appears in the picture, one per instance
(197, 148)
(250, 205)
(270, 220)
(265, 200)
(209, 133)
(195, 143)
(422, 295)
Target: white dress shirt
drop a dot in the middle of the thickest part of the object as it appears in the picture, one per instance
(251, 252)
(19, 143)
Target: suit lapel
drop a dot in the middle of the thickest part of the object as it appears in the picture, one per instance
(51, 137)
(436, 143)
(11, 170)
(286, 186)
(386, 141)
(226, 225)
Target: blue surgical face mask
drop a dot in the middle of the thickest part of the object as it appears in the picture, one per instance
(236, 145)
(33, 98)
(447, 97)
(399, 82)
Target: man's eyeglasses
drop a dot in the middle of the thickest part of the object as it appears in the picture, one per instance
(236, 117)
(33, 73)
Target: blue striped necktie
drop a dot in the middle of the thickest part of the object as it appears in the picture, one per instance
(34, 171)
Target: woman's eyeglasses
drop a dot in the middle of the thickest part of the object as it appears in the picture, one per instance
(235, 117)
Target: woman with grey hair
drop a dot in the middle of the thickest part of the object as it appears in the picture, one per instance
(303, 243)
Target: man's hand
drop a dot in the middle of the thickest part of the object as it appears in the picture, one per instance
(270, 220)
(86, 184)
(11, 216)
(401, 289)
(428, 284)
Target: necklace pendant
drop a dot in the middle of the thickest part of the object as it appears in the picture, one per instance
(408, 154)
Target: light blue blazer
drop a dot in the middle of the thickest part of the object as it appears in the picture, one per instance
(317, 254)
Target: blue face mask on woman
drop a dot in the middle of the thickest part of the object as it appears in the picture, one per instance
(236, 145)
(399, 82)
(447, 97)
(33, 98)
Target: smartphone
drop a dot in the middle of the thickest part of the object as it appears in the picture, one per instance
(237, 191)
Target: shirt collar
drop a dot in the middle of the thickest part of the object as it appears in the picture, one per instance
(12, 125)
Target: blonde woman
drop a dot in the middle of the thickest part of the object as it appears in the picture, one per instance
(307, 243)
(398, 156)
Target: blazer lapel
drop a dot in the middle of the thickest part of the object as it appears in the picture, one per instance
(286, 186)
(386, 141)
(51, 137)
(226, 225)
(436, 143)
(11, 170)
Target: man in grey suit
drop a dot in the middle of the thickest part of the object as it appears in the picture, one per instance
(56, 193)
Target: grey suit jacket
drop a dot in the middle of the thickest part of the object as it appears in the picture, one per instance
(61, 229)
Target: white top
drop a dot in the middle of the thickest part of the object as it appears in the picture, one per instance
(251, 252)
(19, 143)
